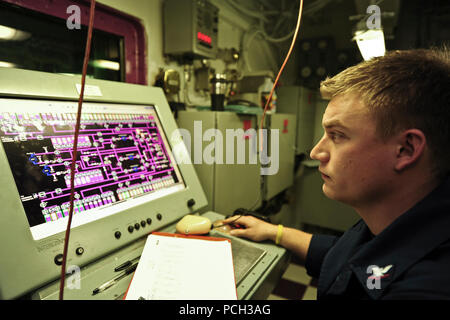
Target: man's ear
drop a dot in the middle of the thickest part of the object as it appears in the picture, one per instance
(411, 146)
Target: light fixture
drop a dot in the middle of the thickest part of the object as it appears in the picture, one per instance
(11, 34)
(7, 33)
(106, 64)
(370, 43)
(5, 64)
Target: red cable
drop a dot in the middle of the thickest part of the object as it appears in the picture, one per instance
(75, 148)
(279, 73)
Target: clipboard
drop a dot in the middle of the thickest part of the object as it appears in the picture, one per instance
(184, 267)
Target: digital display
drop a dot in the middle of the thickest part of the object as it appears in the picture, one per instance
(203, 38)
(123, 159)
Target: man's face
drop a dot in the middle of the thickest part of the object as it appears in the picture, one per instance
(357, 167)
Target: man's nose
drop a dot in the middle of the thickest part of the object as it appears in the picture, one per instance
(319, 152)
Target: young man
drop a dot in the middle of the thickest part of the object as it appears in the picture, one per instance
(385, 152)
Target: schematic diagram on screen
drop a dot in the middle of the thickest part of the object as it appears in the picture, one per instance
(119, 156)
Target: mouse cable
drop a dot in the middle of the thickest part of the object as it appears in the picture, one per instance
(269, 99)
(233, 221)
(226, 224)
(75, 146)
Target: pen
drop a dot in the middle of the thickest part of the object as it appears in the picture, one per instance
(129, 270)
(126, 264)
(104, 286)
(113, 281)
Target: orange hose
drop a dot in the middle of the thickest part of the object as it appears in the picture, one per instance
(279, 73)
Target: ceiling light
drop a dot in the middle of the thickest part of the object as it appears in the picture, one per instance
(370, 43)
(11, 34)
(5, 64)
(106, 64)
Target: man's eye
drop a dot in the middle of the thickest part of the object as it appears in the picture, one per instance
(335, 136)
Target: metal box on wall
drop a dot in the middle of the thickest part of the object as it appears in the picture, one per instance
(301, 102)
(236, 181)
(228, 184)
(190, 28)
(283, 178)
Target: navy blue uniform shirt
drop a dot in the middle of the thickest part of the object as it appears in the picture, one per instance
(409, 259)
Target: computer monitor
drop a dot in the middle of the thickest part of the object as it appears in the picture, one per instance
(127, 180)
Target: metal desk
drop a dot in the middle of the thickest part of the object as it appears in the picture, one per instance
(258, 268)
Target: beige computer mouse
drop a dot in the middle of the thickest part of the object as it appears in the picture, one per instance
(191, 224)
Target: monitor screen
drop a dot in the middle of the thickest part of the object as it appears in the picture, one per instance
(123, 160)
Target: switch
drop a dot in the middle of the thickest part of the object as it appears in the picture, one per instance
(142, 223)
(117, 234)
(79, 251)
(130, 229)
(159, 216)
(137, 226)
(58, 259)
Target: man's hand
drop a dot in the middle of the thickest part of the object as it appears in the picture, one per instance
(294, 240)
(254, 229)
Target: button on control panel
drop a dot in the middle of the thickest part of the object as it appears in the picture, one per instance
(138, 225)
(58, 259)
(79, 251)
